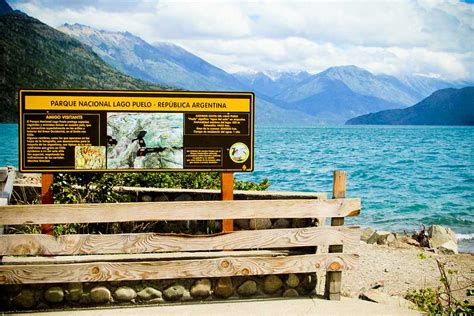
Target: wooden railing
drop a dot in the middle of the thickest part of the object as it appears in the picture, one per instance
(41, 258)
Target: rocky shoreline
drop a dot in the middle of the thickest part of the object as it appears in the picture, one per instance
(391, 264)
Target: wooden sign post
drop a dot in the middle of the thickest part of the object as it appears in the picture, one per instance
(227, 193)
(47, 198)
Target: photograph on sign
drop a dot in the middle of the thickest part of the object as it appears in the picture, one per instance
(144, 140)
(112, 131)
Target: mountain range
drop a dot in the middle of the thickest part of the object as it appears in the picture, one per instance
(35, 55)
(443, 107)
(331, 96)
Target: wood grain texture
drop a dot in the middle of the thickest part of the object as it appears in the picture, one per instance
(127, 271)
(194, 210)
(227, 194)
(139, 257)
(38, 244)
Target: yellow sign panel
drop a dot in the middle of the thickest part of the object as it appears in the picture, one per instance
(117, 131)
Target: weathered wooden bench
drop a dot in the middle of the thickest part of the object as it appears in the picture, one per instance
(40, 258)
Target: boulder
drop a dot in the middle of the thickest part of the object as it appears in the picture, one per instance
(242, 223)
(25, 299)
(100, 294)
(271, 284)
(184, 197)
(367, 235)
(384, 237)
(281, 223)
(174, 292)
(160, 198)
(248, 288)
(439, 235)
(260, 223)
(74, 292)
(146, 198)
(54, 294)
(201, 289)
(290, 293)
(125, 294)
(149, 293)
(448, 248)
(292, 280)
(224, 287)
(301, 222)
(378, 296)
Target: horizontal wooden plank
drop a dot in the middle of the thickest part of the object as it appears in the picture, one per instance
(40, 244)
(193, 210)
(140, 256)
(127, 271)
(239, 194)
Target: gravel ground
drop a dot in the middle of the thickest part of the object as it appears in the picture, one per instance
(403, 267)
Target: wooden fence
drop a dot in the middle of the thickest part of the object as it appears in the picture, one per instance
(40, 258)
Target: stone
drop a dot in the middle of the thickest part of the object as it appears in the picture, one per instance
(149, 293)
(290, 293)
(85, 299)
(448, 248)
(260, 223)
(292, 280)
(201, 289)
(271, 284)
(100, 294)
(309, 282)
(54, 294)
(146, 198)
(242, 223)
(174, 292)
(160, 198)
(367, 235)
(378, 296)
(157, 300)
(439, 235)
(74, 292)
(224, 287)
(301, 222)
(384, 237)
(248, 288)
(25, 299)
(125, 294)
(184, 197)
(281, 223)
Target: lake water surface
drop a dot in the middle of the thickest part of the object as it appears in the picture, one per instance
(405, 175)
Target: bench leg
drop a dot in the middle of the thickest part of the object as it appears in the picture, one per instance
(333, 285)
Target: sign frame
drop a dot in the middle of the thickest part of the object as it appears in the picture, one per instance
(235, 103)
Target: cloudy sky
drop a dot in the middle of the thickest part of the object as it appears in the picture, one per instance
(433, 38)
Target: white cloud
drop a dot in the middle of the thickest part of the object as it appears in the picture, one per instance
(397, 37)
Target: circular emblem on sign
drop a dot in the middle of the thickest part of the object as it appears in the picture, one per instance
(239, 152)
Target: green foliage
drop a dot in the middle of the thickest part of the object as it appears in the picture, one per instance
(69, 188)
(440, 301)
(98, 187)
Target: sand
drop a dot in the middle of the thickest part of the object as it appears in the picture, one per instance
(400, 268)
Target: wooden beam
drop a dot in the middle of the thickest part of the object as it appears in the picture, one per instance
(173, 269)
(333, 278)
(193, 210)
(47, 198)
(37, 244)
(227, 194)
(140, 257)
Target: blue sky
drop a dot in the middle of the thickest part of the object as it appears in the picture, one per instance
(426, 37)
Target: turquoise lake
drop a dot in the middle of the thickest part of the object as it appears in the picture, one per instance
(405, 175)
